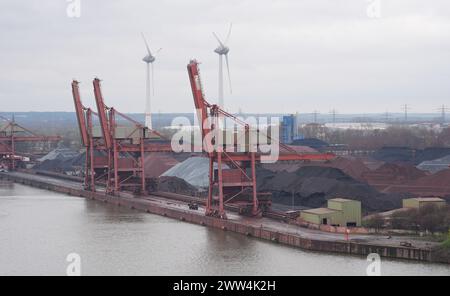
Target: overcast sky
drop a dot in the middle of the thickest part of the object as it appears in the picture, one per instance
(285, 56)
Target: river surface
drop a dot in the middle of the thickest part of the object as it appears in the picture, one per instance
(38, 229)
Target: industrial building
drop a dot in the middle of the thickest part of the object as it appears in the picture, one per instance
(339, 212)
(289, 129)
(419, 202)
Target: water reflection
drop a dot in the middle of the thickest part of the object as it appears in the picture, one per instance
(98, 212)
(39, 228)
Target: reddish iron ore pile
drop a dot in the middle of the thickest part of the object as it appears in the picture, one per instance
(350, 166)
(394, 178)
(440, 179)
(397, 180)
(302, 149)
(437, 184)
(157, 163)
(392, 174)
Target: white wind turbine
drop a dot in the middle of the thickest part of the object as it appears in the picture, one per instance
(222, 50)
(149, 59)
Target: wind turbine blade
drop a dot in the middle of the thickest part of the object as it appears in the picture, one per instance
(146, 44)
(153, 81)
(229, 33)
(157, 52)
(217, 38)
(228, 70)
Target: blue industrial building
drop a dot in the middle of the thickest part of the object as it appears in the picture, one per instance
(289, 129)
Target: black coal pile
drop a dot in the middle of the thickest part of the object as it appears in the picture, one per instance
(431, 153)
(409, 155)
(55, 165)
(171, 184)
(395, 154)
(62, 162)
(311, 142)
(312, 186)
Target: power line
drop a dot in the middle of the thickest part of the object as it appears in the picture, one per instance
(387, 116)
(443, 110)
(405, 110)
(333, 112)
(315, 113)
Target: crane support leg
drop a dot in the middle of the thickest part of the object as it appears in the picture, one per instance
(142, 165)
(13, 148)
(90, 168)
(220, 183)
(210, 188)
(116, 168)
(255, 210)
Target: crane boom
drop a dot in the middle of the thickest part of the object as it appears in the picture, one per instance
(201, 105)
(79, 109)
(102, 115)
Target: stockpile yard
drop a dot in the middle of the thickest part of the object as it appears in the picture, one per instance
(419, 172)
(291, 183)
(312, 186)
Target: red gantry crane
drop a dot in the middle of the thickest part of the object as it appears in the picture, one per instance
(115, 154)
(12, 133)
(95, 162)
(235, 185)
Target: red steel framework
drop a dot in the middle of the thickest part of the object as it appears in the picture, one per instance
(116, 159)
(115, 156)
(237, 183)
(13, 133)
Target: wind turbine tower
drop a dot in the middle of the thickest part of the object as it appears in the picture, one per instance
(149, 59)
(222, 50)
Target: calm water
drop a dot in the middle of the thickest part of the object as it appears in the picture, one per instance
(38, 229)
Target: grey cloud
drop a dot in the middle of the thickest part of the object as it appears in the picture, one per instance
(285, 55)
